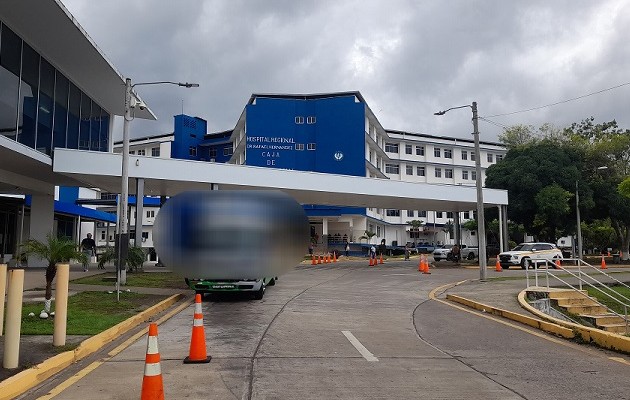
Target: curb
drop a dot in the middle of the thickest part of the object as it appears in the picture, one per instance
(600, 337)
(27, 379)
(567, 330)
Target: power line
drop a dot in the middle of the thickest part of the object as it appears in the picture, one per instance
(493, 123)
(560, 102)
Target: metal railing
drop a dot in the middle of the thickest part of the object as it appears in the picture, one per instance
(553, 270)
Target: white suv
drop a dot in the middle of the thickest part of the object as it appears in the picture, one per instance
(524, 253)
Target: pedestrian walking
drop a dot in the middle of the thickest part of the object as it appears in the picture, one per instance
(88, 247)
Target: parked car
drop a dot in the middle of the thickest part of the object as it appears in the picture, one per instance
(441, 252)
(425, 248)
(525, 253)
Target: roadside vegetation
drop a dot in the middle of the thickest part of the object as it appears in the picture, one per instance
(543, 169)
(167, 280)
(89, 313)
(610, 303)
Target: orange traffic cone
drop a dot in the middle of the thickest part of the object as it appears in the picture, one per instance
(421, 265)
(381, 258)
(426, 268)
(609, 254)
(372, 262)
(152, 384)
(604, 263)
(313, 262)
(319, 260)
(558, 264)
(497, 266)
(197, 353)
(334, 257)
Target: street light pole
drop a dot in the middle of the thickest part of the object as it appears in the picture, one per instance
(579, 223)
(123, 239)
(481, 220)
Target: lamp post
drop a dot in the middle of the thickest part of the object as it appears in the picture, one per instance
(131, 102)
(481, 220)
(577, 217)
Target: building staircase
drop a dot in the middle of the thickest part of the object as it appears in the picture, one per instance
(578, 302)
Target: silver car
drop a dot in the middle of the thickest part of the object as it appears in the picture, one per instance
(442, 252)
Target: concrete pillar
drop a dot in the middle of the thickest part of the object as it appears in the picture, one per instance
(505, 236)
(139, 211)
(457, 230)
(78, 230)
(41, 224)
(325, 234)
(3, 288)
(14, 319)
(501, 250)
(61, 304)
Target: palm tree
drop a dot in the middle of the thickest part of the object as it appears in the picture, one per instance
(448, 228)
(54, 250)
(415, 228)
(135, 258)
(368, 236)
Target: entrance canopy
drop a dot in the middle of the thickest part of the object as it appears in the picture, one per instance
(169, 177)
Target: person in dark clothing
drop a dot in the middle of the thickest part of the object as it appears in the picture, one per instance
(88, 247)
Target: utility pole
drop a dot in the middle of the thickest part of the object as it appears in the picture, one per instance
(481, 220)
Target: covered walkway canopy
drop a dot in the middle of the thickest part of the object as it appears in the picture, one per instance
(170, 176)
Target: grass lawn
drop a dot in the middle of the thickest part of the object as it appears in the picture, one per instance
(138, 279)
(608, 302)
(89, 313)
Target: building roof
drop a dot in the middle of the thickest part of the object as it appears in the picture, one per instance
(430, 137)
(311, 96)
(140, 139)
(51, 30)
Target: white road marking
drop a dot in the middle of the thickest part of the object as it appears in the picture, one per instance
(360, 348)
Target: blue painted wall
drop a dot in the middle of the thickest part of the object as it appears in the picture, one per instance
(339, 129)
(189, 132)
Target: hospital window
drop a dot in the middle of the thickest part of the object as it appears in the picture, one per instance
(391, 147)
(449, 214)
(212, 153)
(409, 169)
(466, 214)
(438, 172)
(464, 155)
(227, 151)
(392, 168)
(437, 152)
(142, 152)
(422, 214)
(490, 157)
(192, 151)
(410, 213)
(408, 149)
(465, 175)
(448, 173)
(448, 153)
(420, 171)
(419, 150)
(473, 175)
(393, 213)
(155, 151)
(438, 214)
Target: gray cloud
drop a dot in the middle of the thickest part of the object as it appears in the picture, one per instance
(408, 58)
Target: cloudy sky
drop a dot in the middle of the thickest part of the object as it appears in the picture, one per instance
(408, 58)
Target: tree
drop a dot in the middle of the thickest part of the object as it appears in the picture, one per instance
(448, 228)
(54, 250)
(527, 170)
(368, 236)
(552, 203)
(415, 227)
(135, 258)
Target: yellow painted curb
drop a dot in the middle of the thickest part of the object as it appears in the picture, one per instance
(25, 380)
(524, 319)
(602, 338)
